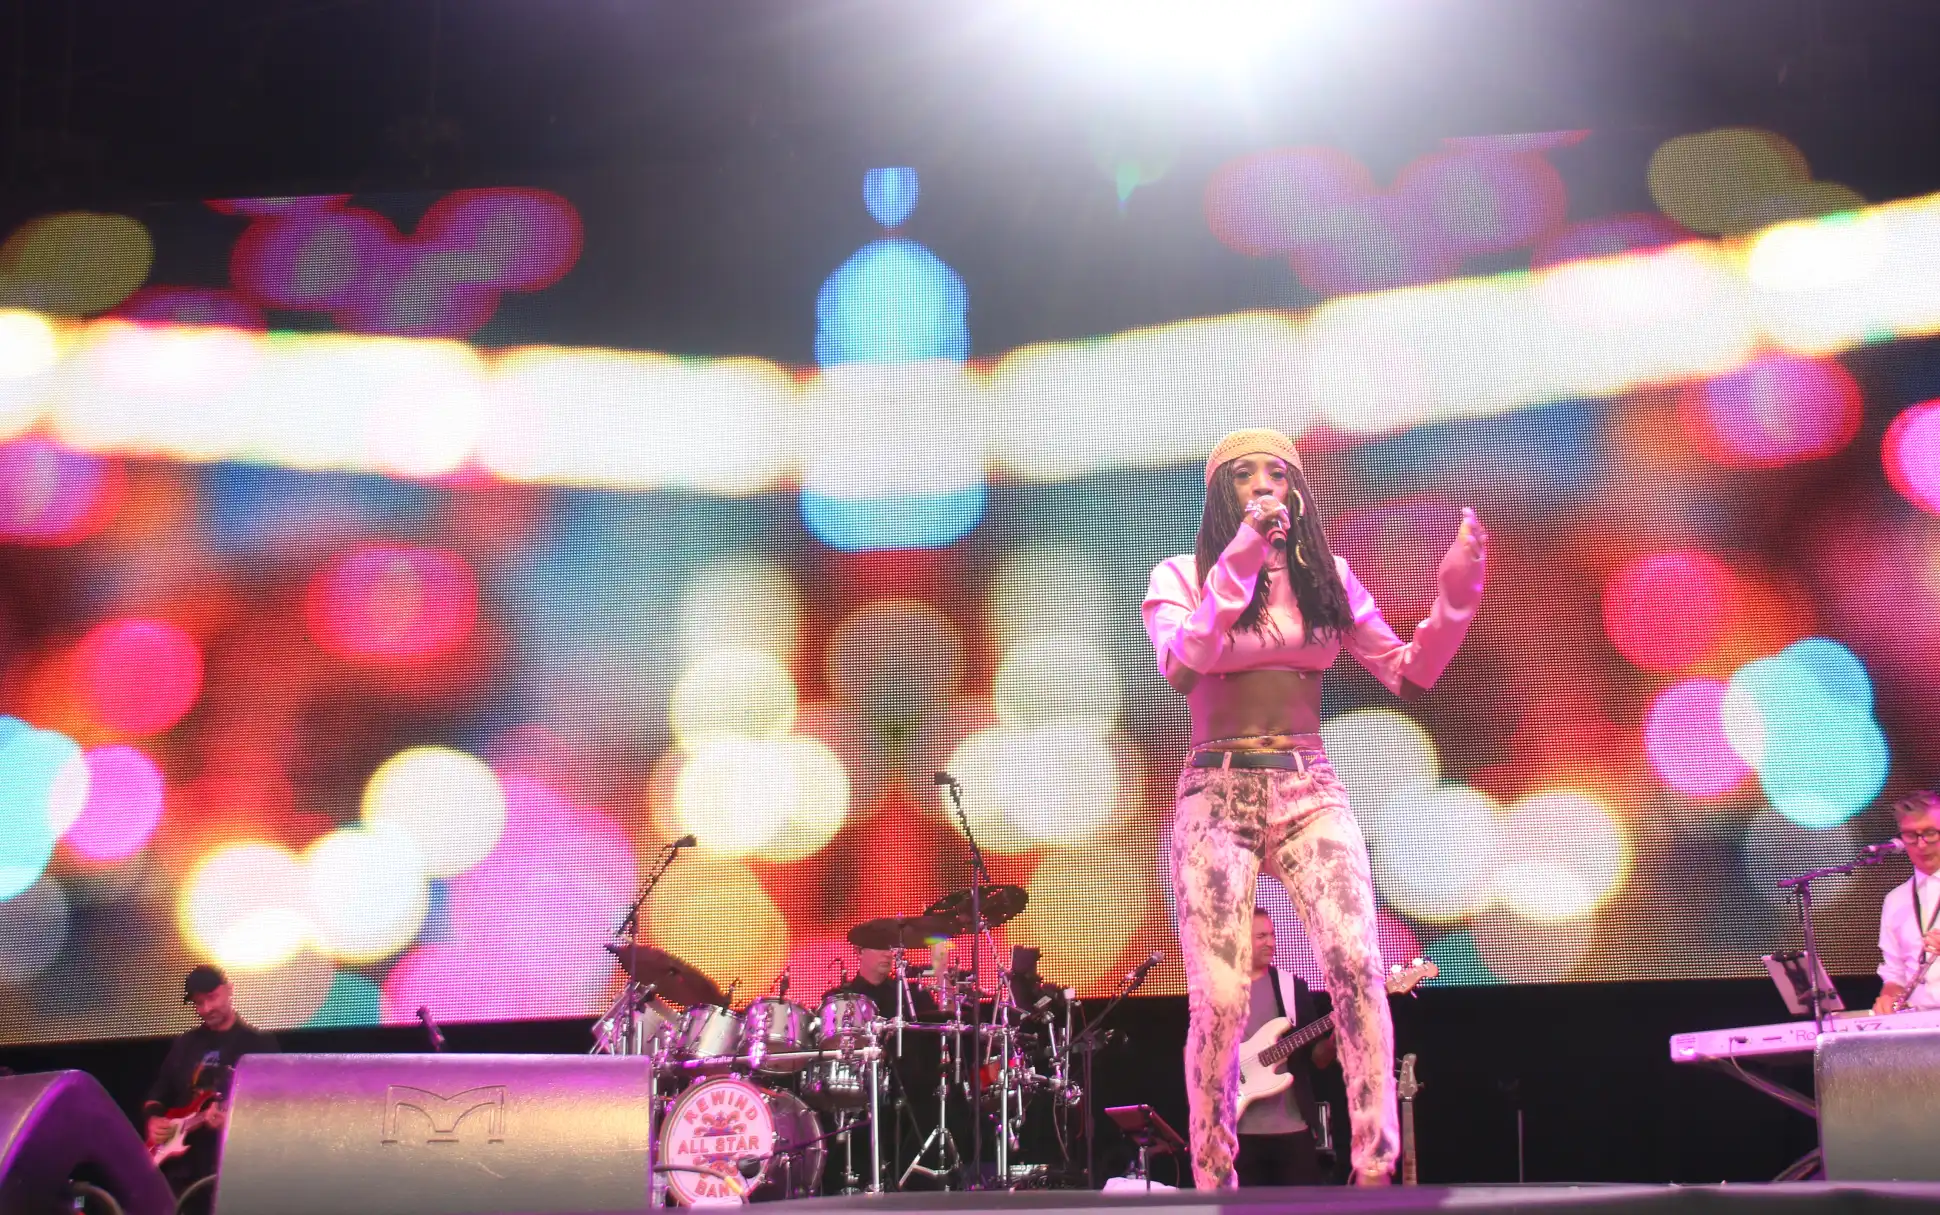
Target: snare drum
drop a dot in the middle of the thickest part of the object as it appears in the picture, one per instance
(840, 1083)
(774, 1025)
(708, 1032)
(718, 1123)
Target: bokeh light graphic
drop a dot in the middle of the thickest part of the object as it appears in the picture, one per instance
(43, 788)
(390, 603)
(1562, 855)
(1777, 409)
(689, 906)
(139, 676)
(243, 906)
(449, 803)
(524, 925)
(52, 495)
(1046, 784)
(895, 659)
(1685, 740)
(124, 804)
(1666, 611)
(443, 280)
(367, 892)
(1057, 680)
(1803, 719)
(1733, 180)
(74, 262)
(1415, 868)
(780, 798)
(735, 692)
(34, 925)
(1910, 453)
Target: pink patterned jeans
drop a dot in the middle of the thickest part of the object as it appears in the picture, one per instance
(1227, 822)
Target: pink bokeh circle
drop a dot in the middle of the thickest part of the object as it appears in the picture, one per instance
(1665, 611)
(125, 795)
(1777, 409)
(390, 603)
(139, 676)
(1685, 740)
(1911, 454)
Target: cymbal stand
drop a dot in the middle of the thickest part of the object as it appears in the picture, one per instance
(979, 878)
(948, 1159)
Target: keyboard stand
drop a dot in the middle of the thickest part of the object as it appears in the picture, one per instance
(1806, 1167)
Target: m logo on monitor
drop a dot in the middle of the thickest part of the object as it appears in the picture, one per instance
(445, 1113)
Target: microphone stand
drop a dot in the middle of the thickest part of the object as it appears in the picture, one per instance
(979, 876)
(1089, 1041)
(630, 926)
(1872, 854)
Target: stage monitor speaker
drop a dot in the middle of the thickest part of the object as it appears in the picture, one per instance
(55, 1123)
(435, 1135)
(1879, 1106)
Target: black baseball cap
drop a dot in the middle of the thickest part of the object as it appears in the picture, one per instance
(201, 981)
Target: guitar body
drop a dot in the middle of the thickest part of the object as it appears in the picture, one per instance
(1259, 1080)
(188, 1119)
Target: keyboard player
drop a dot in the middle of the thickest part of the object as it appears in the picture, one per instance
(1909, 920)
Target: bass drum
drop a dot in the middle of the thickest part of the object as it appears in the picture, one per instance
(717, 1124)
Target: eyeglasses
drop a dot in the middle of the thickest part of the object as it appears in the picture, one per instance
(1930, 836)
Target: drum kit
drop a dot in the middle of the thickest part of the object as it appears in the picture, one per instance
(753, 1103)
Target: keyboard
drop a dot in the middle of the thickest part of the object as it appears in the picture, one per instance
(1789, 1038)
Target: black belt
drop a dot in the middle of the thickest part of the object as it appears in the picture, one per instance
(1295, 761)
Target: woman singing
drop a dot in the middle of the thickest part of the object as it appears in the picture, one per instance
(1244, 627)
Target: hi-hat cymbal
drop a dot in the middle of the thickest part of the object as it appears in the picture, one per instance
(1001, 905)
(671, 977)
(909, 931)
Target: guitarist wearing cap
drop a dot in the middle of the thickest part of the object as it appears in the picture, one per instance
(186, 1106)
(1276, 1133)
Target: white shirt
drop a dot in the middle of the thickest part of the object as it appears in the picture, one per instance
(1899, 939)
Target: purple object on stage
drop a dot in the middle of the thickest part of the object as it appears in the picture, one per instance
(52, 1123)
(435, 1135)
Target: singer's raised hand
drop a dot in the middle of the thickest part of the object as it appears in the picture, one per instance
(1465, 566)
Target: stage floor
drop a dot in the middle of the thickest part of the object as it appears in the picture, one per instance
(1792, 1198)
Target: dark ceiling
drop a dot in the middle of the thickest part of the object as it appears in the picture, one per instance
(116, 101)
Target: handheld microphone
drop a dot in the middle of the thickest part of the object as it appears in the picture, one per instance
(685, 841)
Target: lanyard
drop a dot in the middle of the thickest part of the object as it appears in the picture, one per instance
(1922, 923)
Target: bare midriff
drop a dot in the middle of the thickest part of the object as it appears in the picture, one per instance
(1252, 710)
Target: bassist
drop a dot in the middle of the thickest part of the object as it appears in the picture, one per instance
(1276, 1135)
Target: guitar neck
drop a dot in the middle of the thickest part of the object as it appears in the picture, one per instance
(1409, 1175)
(1310, 1032)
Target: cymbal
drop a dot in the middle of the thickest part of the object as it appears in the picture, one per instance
(667, 974)
(909, 931)
(1001, 905)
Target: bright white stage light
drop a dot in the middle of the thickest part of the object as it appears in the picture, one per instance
(1184, 32)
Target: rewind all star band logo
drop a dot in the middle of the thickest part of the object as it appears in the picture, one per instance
(716, 1130)
(444, 1114)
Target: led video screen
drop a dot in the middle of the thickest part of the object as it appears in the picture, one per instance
(373, 615)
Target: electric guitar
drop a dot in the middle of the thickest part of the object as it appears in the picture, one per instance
(1405, 1088)
(187, 1119)
(1260, 1056)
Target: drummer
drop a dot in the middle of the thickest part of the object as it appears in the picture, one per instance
(875, 977)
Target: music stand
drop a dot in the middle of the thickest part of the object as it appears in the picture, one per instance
(1800, 976)
(1143, 1126)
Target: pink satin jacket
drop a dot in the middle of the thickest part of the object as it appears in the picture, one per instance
(1195, 625)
